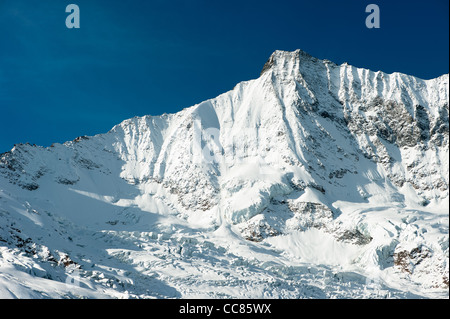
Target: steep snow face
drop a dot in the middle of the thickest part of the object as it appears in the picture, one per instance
(311, 166)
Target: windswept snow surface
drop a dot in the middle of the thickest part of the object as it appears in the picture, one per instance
(315, 180)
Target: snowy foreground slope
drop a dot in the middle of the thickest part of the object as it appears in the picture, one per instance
(315, 180)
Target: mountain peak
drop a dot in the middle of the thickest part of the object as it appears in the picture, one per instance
(283, 59)
(309, 167)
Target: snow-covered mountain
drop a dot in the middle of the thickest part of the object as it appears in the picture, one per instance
(315, 180)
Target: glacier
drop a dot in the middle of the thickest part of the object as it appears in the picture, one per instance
(315, 180)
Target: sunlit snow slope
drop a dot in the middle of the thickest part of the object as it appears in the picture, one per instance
(315, 180)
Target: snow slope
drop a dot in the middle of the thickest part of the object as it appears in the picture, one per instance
(315, 180)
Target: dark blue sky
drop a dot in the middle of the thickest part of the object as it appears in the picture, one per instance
(141, 57)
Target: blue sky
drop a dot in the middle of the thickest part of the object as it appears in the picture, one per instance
(141, 57)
